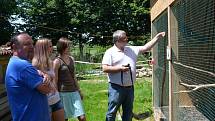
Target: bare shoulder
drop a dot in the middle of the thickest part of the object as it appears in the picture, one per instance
(72, 58)
(56, 62)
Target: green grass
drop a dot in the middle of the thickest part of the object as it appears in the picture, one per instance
(95, 102)
(81, 68)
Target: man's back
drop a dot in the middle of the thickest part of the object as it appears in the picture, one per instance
(26, 103)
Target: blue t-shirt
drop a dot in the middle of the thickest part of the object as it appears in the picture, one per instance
(26, 102)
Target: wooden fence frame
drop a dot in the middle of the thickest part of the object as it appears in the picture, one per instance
(5, 114)
(157, 8)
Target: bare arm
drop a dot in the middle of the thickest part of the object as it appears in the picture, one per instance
(151, 43)
(76, 82)
(75, 78)
(56, 66)
(78, 86)
(45, 87)
(113, 69)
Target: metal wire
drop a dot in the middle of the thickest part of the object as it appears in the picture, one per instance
(160, 78)
(195, 60)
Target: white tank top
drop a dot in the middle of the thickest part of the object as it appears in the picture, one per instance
(53, 97)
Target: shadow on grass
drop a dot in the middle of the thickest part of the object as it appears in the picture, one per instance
(81, 78)
(142, 116)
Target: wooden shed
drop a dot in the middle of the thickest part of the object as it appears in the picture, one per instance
(5, 54)
(184, 70)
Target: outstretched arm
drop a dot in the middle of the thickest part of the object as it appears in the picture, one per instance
(151, 43)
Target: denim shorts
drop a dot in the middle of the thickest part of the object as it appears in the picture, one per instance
(55, 107)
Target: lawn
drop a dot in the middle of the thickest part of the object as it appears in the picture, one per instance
(94, 89)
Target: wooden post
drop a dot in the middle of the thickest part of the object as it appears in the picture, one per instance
(171, 113)
(173, 84)
(157, 9)
(5, 114)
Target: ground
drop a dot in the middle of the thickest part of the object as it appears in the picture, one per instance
(94, 89)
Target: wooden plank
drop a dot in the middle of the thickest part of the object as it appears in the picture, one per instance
(174, 101)
(2, 87)
(2, 93)
(4, 112)
(3, 100)
(4, 62)
(4, 106)
(171, 85)
(159, 7)
(184, 98)
(6, 117)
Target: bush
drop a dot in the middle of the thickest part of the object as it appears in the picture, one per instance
(82, 69)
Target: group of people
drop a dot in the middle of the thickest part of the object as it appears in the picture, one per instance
(42, 89)
(38, 88)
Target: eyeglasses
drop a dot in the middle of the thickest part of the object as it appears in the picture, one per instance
(124, 39)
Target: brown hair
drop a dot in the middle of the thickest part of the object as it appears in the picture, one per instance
(62, 44)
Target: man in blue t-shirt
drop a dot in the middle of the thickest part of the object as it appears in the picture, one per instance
(26, 89)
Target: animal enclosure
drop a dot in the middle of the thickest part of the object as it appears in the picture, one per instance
(184, 69)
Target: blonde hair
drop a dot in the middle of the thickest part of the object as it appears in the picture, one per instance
(41, 58)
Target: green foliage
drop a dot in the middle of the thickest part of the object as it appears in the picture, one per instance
(44, 18)
(5, 31)
(85, 21)
(142, 40)
(7, 8)
(73, 18)
(91, 53)
(82, 68)
(143, 94)
(96, 53)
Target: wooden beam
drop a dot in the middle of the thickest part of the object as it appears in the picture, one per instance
(171, 85)
(159, 7)
(173, 79)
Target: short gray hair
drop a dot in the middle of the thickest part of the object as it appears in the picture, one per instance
(117, 35)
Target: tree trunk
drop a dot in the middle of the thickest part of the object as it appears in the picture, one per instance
(81, 46)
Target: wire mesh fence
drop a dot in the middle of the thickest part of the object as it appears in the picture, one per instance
(160, 69)
(196, 53)
(193, 60)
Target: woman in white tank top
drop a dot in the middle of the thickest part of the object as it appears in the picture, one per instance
(42, 61)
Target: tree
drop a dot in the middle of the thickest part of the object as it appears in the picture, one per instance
(85, 21)
(7, 7)
(131, 16)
